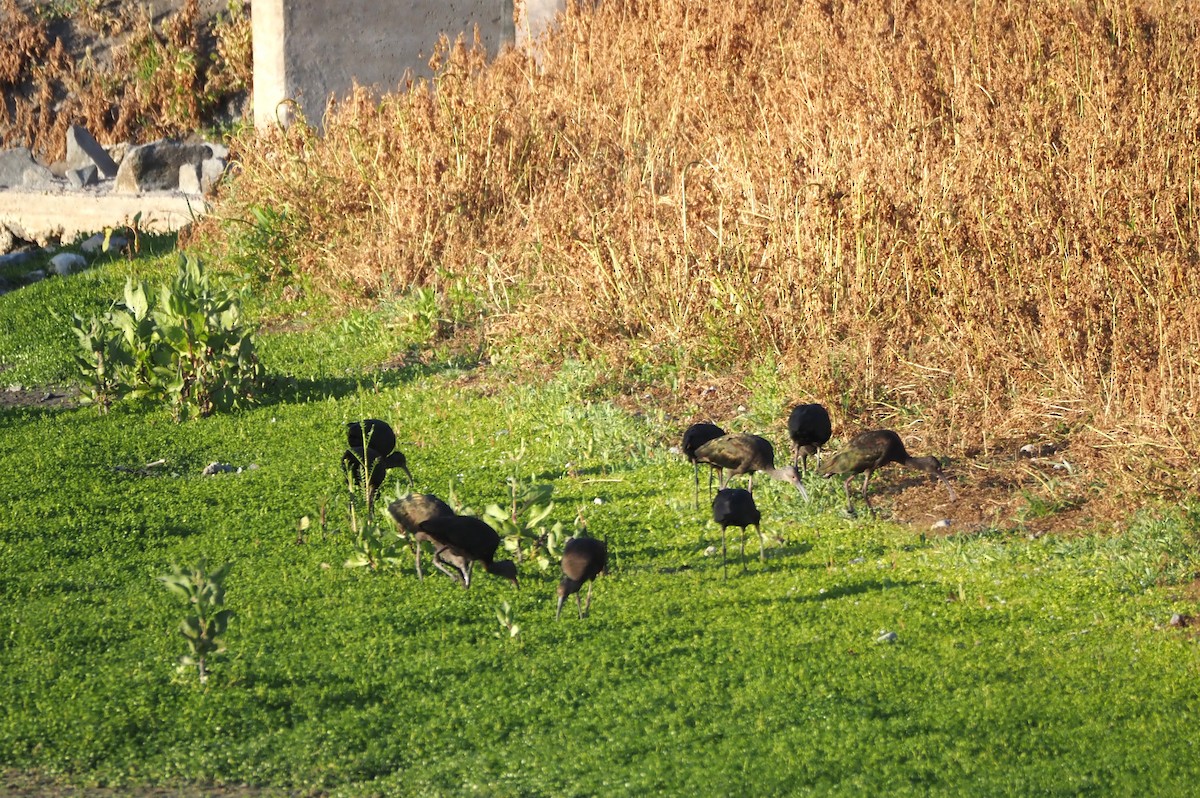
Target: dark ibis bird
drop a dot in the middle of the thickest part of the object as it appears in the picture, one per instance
(694, 437)
(409, 512)
(371, 451)
(463, 540)
(874, 449)
(735, 507)
(809, 429)
(371, 433)
(583, 559)
(743, 453)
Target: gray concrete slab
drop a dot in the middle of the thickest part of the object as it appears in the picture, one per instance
(42, 216)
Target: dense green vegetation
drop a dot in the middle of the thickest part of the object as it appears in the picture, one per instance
(1019, 666)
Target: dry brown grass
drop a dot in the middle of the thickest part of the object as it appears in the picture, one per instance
(158, 78)
(984, 214)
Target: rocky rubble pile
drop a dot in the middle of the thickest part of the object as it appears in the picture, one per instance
(91, 170)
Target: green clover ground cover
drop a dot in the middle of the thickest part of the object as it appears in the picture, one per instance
(1018, 666)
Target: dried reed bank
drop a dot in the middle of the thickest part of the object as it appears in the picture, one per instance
(985, 211)
(117, 71)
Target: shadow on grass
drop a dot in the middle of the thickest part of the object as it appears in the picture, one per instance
(858, 589)
(285, 389)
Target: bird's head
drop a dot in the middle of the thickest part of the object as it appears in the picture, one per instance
(505, 568)
(930, 465)
(792, 475)
(933, 467)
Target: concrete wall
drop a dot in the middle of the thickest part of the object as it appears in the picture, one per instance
(305, 50)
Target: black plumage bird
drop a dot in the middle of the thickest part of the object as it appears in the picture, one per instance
(743, 453)
(583, 559)
(409, 512)
(463, 540)
(809, 428)
(370, 452)
(371, 433)
(694, 437)
(874, 449)
(735, 507)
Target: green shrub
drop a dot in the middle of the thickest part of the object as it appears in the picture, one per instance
(205, 593)
(191, 351)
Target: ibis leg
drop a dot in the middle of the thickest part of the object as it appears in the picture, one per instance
(724, 572)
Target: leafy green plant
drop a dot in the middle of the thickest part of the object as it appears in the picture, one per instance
(376, 545)
(506, 616)
(202, 629)
(190, 351)
(520, 524)
(99, 359)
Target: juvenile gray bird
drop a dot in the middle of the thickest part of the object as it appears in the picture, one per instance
(409, 512)
(743, 453)
(583, 559)
(874, 449)
(463, 540)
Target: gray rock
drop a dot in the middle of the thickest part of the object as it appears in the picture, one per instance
(65, 263)
(83, 150)
(155, 167)
(17, 258)
(189, 178)
(84, 176)
(887, 637)
(18, 169)
(218, 150)
(7, 240)
(37, 275)
(96, 244)
(13, 164)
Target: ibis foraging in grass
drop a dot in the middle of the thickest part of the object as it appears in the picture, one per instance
(463, 540)
(874, 449)
(735, 507)
(694, 437)
(409, 512)
(809, 429)
(583, 559)
(743, 453)
(370, 452)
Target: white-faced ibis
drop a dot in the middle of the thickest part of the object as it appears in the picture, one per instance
(743, 453)
(694, 437)
(735, 507)
(371, 451)
(462, 540)
(582, 560)
(409, 512)
(809, 429)
(874, 449)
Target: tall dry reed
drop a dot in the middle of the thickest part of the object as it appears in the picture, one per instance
(987, 211)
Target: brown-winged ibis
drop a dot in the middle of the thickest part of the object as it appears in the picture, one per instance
(409, 512)
(809, 428)
(694, 437)
(461, 541)
(743, 453)
(583, 559)
(735, 507)
(874, 449)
